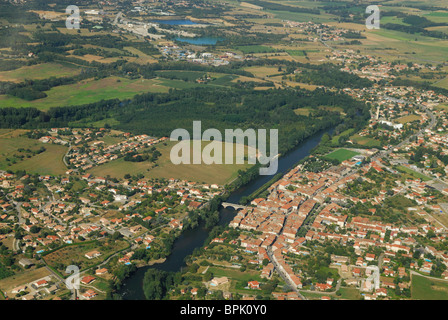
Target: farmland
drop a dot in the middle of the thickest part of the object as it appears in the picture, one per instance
(39, 71)
(428, 289)
(90, 90)
(164, 168)
(75, 254)
(14, 154)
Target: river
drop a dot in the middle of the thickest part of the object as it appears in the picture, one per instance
(132, 288)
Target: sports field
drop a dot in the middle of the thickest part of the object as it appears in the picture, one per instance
(342, 154)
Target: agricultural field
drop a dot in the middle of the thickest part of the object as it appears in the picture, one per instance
(365, 141)
(235, 274)
(428, 289)
(18, 152)
(255, 49)
(409, 118)
(391, 43)
(442, 83)
(164, 168)
(262, 72)
(75, 254)
(349, 293)
(413, 173)
(175, 78)
(90, 90)
(39, 71)
(314, 295)
(24, 278)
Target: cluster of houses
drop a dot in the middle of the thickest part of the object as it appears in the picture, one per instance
(319, 200)
(175, 52)
(98, 152)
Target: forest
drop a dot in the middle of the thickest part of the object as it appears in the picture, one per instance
(158, 114)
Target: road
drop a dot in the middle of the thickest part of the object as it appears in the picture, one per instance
(385, 153)
(282, 273)
(412, 272)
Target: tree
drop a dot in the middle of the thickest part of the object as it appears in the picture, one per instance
(156, 284)
(34, 229)
(208, 276)
(325, 138)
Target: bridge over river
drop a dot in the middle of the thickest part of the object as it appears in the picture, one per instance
(233, 205)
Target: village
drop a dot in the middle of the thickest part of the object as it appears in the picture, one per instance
(49, 221)
(344, 217)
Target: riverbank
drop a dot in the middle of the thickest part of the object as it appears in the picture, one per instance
(150, 263)
(189, 240)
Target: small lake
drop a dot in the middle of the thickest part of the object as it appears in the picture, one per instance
(209, 41)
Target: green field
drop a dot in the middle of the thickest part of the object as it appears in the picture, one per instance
(365, 141)
(88, 91)
(393, 19)
(39, 71)
(335, 139)
(255, 49)
(302, 17)
(315, 295)
(392, 43)
(213, 173)
(75, 254)
(349, 293)
(182, 75)
(428, 289)
(413, 173)
(235, 274)
(442, 83)
(341, 154)
(47, 162)
(300, 53)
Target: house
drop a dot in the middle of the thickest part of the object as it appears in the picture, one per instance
(89, 294)
(40, 283)
(356, 272)
(381, 292)
(219, 281)
(92, 254)
(253, 284)
(87, 279)
(26, 263)
(323, 286)
(101, 271)
(194, 205)
(175, 224)
(370, 257)
(19, 289)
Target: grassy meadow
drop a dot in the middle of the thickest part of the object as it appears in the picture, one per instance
(213, 173)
